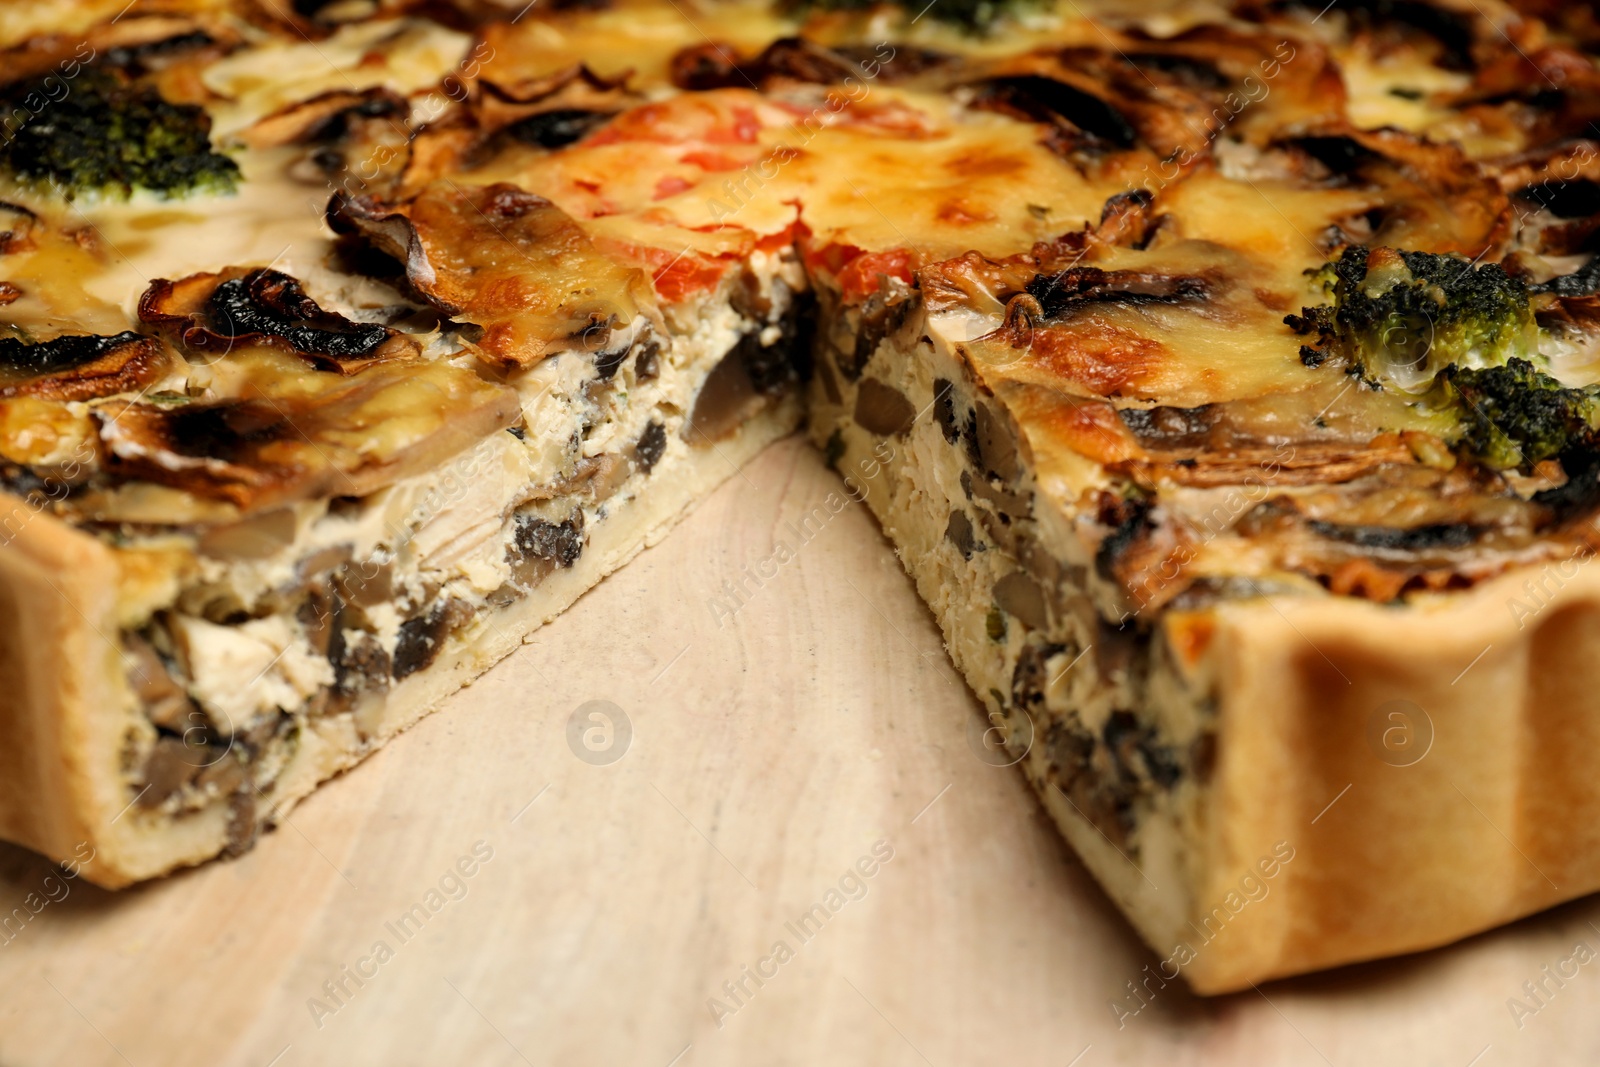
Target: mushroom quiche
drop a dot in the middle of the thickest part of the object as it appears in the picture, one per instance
(1224, 375)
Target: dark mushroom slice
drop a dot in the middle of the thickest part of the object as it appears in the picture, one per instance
(1019, 596)
(79, 366)
(1453, 31)
(882, 313)
(651, 445)
(750, 377)
(561, 542)
(958, 531)
(715, 65)
(1171, 97)
(173, 764)
(703, 67)
(213, 313)
(326, 118)
(550, 111)
(1424, 196)
(357, 435)
(882, 409)
(422, 638)
(1061, 293)
(1086, 120)
(1096, 101)
(136, 43)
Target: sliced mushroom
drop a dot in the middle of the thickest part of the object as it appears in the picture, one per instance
(553, 110)
(750, 377)
(958, 531)
(138, 42)
(388, 423)
(503, 259)
(1086, 118)
(1060, 293)
(882, 313)
(164, 701)
(651, 445)
(260, 537)
(1019, 596)
(714, 65)
(1422, 194)
(726, 399)
(172, 764)
(80, 367)
(1131, 92)
(423, 638)
(997, 447)
(211, 313)
(883, 409)
(325, 117)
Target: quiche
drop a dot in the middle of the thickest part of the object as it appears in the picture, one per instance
(1224, 376)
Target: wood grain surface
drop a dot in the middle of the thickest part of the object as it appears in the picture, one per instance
(774, 743)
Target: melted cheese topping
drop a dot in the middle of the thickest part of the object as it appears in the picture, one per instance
(404, 54)
(636, 37)
(895, 169)
(690, 187)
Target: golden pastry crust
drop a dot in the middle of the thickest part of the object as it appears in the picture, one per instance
(62, 675)
(1488, 824)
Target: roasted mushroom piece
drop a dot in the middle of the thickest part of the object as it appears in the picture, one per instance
(211, 313)
(80, 367)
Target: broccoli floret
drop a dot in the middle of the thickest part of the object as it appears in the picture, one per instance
(1402, 317)
(1515, 415)
(108, 136)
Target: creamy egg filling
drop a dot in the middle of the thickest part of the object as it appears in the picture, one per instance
(1113, 737)
(315, 611)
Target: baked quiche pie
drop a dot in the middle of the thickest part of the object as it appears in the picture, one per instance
(1224, 375)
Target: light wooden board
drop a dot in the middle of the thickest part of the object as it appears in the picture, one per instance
(769, 752)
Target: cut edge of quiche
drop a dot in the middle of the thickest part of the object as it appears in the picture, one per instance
(1266, 782)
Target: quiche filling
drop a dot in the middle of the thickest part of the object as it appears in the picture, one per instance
(313, 610)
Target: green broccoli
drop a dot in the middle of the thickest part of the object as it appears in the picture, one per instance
(1516, 415)
(1402, 317)
(106, 135)
(1463, 340)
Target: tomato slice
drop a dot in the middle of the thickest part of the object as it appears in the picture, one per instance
(687, 275)
(677, 276)
(859, 278)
